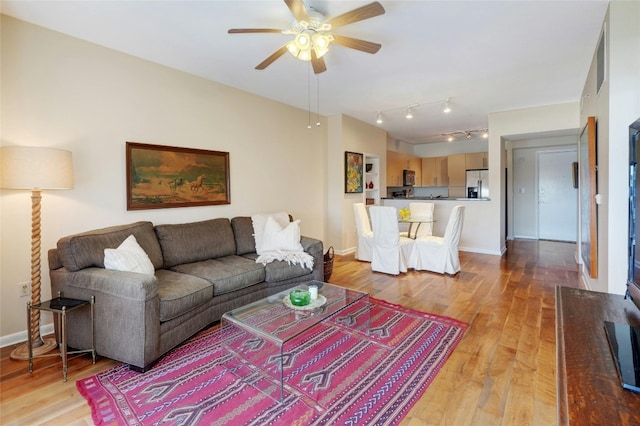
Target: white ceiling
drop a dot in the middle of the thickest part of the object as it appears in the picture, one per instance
(487, 56)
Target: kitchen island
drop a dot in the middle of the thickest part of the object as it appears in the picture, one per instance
(477, 210)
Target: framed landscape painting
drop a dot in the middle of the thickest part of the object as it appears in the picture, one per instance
(353, 172)
(165, 176)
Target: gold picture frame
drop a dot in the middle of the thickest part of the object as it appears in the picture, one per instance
(353, 172)
(588, 184)
(161, 176)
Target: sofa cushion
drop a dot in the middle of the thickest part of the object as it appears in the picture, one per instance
(280, 270)
(226, 273)
(180, 293)
(85, 250)
(193, 242)
(243, 231)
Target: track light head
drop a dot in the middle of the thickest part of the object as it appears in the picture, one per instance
(447, 107)
(379, 119)
(409, 115)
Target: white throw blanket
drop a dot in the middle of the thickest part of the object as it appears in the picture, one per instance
(291, 257)
(281, 240)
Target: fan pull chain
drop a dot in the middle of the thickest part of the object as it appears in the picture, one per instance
(318, 100)
(309, 96)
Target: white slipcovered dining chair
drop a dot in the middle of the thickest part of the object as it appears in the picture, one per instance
(440, 254)
(391, 252)
(424, 212)
(364, 249)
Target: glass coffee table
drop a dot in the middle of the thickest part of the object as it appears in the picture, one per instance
(265, 330)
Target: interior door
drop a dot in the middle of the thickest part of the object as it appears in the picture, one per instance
(557, 198)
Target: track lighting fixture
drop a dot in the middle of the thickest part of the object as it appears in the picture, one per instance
(409, 113)
(468, 134)
(446, 108)
(408, 110)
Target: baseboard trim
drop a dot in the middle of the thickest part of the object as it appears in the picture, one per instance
(20, 337)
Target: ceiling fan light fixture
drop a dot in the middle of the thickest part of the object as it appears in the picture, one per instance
(293, 49)
(304, 55)
(303, 41)
(485, 135)
(468, 135)
(321, 41)
(450, 138)
(409, 114)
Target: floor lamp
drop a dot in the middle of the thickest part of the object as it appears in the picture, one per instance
(35, 169)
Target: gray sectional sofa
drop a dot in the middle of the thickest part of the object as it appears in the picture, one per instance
(202, 270)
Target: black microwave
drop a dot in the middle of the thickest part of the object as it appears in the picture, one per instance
(408, 178)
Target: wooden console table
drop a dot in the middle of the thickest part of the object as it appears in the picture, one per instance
(589, 391)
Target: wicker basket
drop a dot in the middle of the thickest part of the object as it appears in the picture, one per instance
(328, 263)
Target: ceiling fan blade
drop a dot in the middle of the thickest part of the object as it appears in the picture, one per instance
(275, 55)
(354, 43)
(299, 11)
(318, 63)
(253, 30)
(365, 12)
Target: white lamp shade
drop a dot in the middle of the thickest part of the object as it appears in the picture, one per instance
(23, 167)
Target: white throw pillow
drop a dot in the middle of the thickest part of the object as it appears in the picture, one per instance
(259, 220)
(275, 237)
(129, 256)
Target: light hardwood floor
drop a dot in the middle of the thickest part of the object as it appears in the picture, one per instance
(501, 373)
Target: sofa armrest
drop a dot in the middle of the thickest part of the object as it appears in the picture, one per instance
(127, 285)
(127, 313)
(316, 249)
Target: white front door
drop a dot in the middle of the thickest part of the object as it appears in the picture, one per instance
(557, 198)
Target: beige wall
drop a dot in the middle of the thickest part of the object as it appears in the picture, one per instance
(514, 124)
(62, 92)
(615, 107)
(348, 134)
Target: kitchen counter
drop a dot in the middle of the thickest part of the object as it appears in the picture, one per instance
(435, 199)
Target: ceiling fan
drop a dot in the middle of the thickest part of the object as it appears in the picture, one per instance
(313, 34)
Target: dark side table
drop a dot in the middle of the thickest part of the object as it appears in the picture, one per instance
(59, 306)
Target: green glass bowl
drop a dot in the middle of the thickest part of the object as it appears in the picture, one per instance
(300, 297)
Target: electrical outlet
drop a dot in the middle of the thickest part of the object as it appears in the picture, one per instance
(24, 289)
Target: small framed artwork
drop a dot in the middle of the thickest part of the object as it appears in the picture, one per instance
(165, 176)
(353, 172)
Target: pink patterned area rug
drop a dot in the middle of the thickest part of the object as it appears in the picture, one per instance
(332, 375)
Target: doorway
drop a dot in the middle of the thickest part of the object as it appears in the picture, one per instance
(557, 198)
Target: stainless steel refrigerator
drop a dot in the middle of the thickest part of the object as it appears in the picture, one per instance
(478, 183)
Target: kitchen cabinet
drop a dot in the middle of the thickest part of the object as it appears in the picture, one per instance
(477, 160)
(457, 169)
(457, 175)
(397, 162)
(435, 171)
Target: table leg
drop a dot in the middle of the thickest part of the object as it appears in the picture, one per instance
(93, 331)
(29, 341)
(63, 343)
(417, 229)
